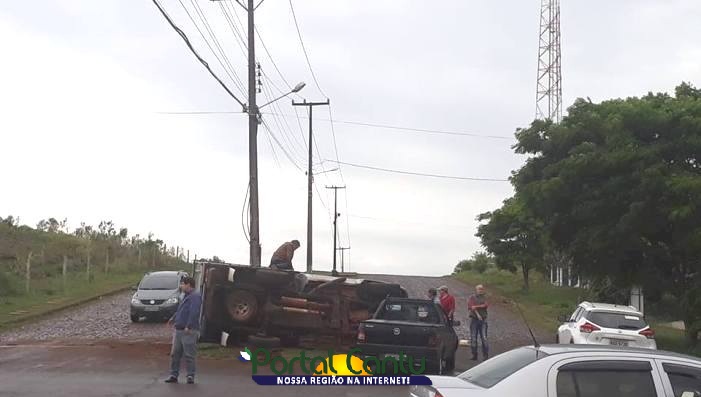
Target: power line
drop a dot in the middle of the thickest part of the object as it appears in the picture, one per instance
(287, 154)
(419, 173)
(368, 124)
(304, 49)
(194, 52)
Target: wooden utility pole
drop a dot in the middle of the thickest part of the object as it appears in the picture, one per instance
(343, 249)
(310, 178)
(64, 271)
(334, 272)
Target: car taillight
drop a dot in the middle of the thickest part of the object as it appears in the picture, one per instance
(433, 340)
(361, 334)
(588, 328)
(648, 333)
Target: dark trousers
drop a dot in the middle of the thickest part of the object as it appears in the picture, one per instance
(281, 265)
(478, 329)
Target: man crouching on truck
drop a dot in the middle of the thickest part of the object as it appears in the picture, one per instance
(282, 258)
(187, 331)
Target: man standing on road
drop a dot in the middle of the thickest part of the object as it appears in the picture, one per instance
(187, 331)
(447, 302)
(433, 295)
(477, 307)
(282, 258)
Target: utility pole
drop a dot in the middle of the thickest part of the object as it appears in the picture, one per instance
(334, 272)
(310, 179)
(343, 249)
(253, 139)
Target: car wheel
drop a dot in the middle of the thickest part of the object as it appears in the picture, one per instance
(134, 318)
(242, 306)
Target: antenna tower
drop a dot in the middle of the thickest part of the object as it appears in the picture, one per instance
(549, 87)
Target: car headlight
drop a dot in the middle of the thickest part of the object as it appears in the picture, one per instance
(172, 300)
(134, 300)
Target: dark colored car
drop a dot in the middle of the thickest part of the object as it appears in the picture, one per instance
(157, 296)
(416, 327)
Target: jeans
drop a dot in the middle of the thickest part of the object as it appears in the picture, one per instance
(478, 329)
(184, 344)
(281, 265)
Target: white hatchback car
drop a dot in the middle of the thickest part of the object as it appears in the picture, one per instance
(606, 324)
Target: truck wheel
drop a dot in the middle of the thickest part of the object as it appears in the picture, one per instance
(263, 341)
(242, 306)
(134, 318)
(289, 341)
(450, 363)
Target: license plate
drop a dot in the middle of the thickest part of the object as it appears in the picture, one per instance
(151, 308)
(617, 342)
(395, 356)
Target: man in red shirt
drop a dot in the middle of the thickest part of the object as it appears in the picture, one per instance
(447, 303)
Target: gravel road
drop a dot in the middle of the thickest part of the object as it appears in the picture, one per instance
(108, 319)
(105, 318)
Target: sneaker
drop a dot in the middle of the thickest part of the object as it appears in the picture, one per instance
(190, 380)
(171, 379)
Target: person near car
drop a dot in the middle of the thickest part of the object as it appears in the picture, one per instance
(447, 302)
(433, 295)
(282, 257)
(186, 322)
(477, 306)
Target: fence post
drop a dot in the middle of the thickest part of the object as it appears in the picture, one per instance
(28, 271)
(64, 271)
(107, 260)
(87, 268)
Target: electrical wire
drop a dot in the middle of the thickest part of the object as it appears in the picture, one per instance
(304, 49)
(463, 178)
(284, 151)
(194, 52)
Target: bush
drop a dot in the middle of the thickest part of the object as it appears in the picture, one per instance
(7, 285)
(480, 267)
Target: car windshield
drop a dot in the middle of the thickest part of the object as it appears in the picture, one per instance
(415, 312)
(615, 320)
(159, 282)
(493, 371)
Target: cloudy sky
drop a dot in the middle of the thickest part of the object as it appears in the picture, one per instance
(83, 85)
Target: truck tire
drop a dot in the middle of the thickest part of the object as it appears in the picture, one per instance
(242, 306)
(263, 341)
(134, 318)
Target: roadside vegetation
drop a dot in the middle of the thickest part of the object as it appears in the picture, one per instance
(611, 196)
(49, 267)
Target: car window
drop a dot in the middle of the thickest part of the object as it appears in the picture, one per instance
(159, 282)
(493, 371)
(617, 320)
(685, 380)
(416, 312)
(597, 379)
(576, 313)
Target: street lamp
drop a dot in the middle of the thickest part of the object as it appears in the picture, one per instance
(295, 90)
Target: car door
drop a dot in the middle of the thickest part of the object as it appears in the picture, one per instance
(605, 376)
(680, 378)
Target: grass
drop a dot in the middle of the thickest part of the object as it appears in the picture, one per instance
(544, 303)
(541, 305)
(48, 295)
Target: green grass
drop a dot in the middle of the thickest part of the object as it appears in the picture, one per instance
(48, 295)
(544, 303)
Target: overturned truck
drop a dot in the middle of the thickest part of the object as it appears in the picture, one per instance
(243, 301)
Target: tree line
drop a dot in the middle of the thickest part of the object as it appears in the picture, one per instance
(614, 192)
(51, 249)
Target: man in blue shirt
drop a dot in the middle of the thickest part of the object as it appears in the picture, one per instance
(186, 322)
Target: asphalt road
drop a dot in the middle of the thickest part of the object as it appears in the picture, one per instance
(95, 350)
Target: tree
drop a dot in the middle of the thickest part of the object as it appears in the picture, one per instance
(479, 262)
(618, 187)
(514, 236)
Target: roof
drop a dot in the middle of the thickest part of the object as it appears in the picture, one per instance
(609, 307)
(561, 349)
(165, 273)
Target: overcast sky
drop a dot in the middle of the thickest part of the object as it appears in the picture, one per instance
(82, 82)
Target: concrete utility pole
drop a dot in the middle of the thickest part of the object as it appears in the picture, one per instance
(334, 272)
(343, 249)
(310, 179)
(253, 140)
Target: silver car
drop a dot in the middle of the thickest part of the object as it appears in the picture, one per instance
(574, 371)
